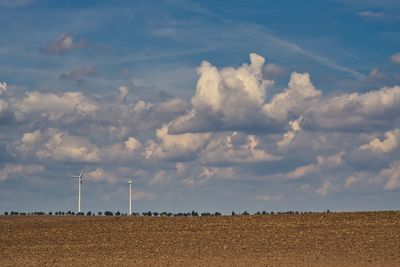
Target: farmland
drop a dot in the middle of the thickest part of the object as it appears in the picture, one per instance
(314, 239)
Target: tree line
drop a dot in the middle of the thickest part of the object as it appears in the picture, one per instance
(149, 213)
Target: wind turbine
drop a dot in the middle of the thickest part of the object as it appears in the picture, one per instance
(130, 182)
(80, 178)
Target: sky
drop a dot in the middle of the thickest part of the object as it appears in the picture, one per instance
(208, 105)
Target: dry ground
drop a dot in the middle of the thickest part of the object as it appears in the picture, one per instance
(333, 239)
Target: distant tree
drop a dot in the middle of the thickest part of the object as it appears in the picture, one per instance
(6, 213)
(155, 214)
(194, 214)
(217, 214)
(257, 213)
(233, 213)
(264, 212)
(108, 213)
(99, 213)
(245, 213)
(89, 213)
(50, 213)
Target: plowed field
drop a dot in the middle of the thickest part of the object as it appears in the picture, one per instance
(323, 239)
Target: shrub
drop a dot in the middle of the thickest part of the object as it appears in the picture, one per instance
(108, 213)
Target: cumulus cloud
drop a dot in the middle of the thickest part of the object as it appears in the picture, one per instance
(59, 145)
(235, 148)
(175, 146)
(11, 170)
(321, 162)
(53, 105)
(225, 98)
(355, 111)
(62, 44)
(395, 58)
(299, 95)
(287, 138)
(391, 142)
(393, 175)
(235, 99)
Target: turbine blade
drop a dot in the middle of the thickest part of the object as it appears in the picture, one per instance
(82, 172)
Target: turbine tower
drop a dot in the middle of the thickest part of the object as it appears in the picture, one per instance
(130, 182)
(80, 178)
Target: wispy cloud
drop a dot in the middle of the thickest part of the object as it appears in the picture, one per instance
(64, 43)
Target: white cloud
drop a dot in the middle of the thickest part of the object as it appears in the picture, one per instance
(53, 105)
(321, 162)
(175, 146)
(233, 149)
(391, 142)
(299, 95)
(227, 97)
(57, 145)
(64, 43)
(303, 170)
(355, 112)
(393, 175)
(10, 170)
(395, 58)
(288, 137)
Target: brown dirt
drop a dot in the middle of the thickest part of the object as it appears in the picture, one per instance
(334, 239)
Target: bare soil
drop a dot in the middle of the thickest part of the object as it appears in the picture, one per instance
(321, 239)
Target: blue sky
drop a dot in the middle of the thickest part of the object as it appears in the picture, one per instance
(210, 105)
